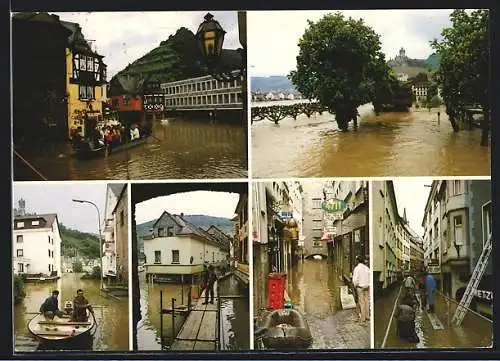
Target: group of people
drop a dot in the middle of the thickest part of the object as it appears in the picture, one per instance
(406, 310)
(50, 307)
(361, 279)
(112, 135)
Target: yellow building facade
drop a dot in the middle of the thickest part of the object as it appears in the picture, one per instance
(85, 83)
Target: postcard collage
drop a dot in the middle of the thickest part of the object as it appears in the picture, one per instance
(251, 180)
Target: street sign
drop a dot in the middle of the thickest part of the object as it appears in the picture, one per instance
(434, 269)
(333, 205)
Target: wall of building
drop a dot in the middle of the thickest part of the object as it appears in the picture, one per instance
(36, 247)
(121, 236)
(313, 218)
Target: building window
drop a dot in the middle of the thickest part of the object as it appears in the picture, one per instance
(157, 257)
(316, 203)
(20, 224)
(487, 222)
(19, 238)
(459, 231)
(35, 223)
(83, 63)
(457, 187)
(86, 92)
(49, 253)
(213, 257)
(175, 256)
(19, 253)
(161, 232)
(20, 267)
(122, 218)
(170, 231)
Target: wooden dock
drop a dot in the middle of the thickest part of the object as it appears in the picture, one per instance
(199, 331)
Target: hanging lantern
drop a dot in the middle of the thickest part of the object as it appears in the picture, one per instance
(210, 37)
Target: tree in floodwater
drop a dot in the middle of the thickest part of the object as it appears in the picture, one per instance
(339, 64)
(463, 71)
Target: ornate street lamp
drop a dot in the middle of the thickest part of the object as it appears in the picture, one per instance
(210, 38)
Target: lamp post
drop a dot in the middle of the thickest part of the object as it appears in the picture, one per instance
(99, 228)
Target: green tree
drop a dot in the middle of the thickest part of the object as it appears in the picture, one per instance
(19, 289)
(463, 72)
(340, 65)
(77, 267)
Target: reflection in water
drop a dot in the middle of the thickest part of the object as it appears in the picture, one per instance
(178, 150)
(313, 287)
(148, 328)
(111, 315)
(234, 319)
(474, 331)
(388, 144)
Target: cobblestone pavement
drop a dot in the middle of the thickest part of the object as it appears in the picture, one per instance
(339, 331)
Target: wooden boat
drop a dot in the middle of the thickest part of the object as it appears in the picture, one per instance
(286, 329)
(83, 151)
(62, 332)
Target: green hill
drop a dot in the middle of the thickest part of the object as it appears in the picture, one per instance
(202, 221)
(177, 58)
(86, 244)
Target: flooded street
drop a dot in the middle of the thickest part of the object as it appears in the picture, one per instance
(112, 333)
(178, 149)
(390, 144)
(314, 289)
(474, 331)
(234, 314)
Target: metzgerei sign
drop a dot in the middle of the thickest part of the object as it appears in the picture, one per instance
(334, 205)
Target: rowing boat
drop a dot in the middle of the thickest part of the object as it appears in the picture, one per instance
(286, 329)
(83, 151)
(62, 332)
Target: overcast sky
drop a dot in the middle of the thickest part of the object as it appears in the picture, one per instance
(123, 37)
(57, 198)
(273, 35)
(217, 204)
(411, 193)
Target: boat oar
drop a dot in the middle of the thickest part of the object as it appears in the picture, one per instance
(158, 139)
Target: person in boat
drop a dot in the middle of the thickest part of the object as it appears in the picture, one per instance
(50, 307)
(405, 316)
(361, 276)
(80, 306)
(117, 136)
(210, 278)
(134, 132)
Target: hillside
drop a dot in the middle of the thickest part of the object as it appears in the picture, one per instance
(86, 244)
(202, 221)
(271, 83)
(177, 58)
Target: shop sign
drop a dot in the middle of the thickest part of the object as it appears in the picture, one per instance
(286, 215)
(334, 205)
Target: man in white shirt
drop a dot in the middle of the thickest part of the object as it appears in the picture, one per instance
(410, 285)
(361, 278)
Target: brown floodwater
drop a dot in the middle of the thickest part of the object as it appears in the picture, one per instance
(474, 331)
(235, 319)
(314, 288)
(390, 144)
(178, 149)
(112, 316)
